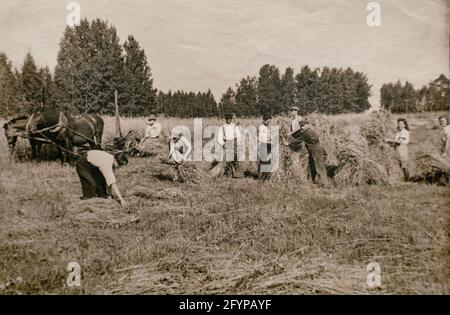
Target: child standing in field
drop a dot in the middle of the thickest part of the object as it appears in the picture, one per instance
(400, 142)
(445, 136)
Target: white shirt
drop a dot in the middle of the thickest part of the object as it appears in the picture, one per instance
(228, 132)
(446, 133)
(264, 134)
(104, 161)
(402, 136)
(153, 131)
(295, 123)
(180, 150)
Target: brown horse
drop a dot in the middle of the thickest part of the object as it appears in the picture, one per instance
(67, 132)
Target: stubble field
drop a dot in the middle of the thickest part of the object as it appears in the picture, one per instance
(221, 235)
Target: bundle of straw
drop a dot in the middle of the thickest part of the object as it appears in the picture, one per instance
(191, 172)
(432, 168)
(355, 166)
(377, 128)
(293, 162)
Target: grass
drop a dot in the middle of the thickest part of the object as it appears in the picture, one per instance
(224, 236)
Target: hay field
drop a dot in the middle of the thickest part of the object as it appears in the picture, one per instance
(222, 235)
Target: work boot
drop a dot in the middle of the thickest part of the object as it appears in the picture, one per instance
(406, 174)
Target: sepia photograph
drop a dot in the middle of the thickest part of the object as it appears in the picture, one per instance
(236, 148)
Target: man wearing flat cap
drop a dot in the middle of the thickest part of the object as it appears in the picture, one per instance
(228, 136)
(153, 129)
(152, 134)
(316, 154)
(294, 113)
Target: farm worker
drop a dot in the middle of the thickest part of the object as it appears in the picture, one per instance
(316, 154)
(265, 146)
(95, 170)
(180, 150)
(445, 134)
(296, 119)
(400, 142)
(153, 129)
(150, 143)
(228, 136)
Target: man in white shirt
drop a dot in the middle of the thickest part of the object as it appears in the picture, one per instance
(151, 143)
(153, 129)
(95, 170)
(228, 136)
(445, 150)
(296, 119)
(265, 146)
(180, 148)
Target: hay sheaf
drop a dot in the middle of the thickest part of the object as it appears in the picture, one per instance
(377, 128)
(193, 173)
(432, 168)
(293, 165)
(348, 153)
(356, 167)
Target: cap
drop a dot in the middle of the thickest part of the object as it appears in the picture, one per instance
(267, 116)
(303, 122)
(121, 158)
(151, 117)
(295, 108)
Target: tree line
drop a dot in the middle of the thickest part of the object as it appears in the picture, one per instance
(325, 90)
(399, 98)
(92, 63)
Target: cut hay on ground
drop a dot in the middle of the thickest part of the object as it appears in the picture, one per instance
(100, 212)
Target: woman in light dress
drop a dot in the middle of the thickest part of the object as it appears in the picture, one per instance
(400, 142)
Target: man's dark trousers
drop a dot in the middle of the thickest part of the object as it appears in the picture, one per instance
(93, 183)
(317, 163)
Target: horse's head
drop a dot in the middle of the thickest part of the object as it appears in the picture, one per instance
(34, 121)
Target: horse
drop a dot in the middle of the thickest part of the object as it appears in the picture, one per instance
(67, 132)
(17, 127)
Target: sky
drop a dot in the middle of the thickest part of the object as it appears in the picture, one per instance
(200, 44)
